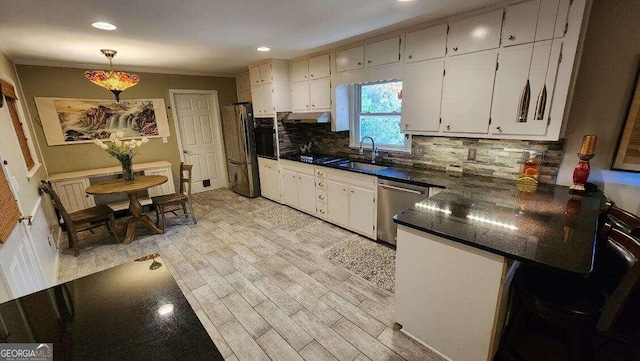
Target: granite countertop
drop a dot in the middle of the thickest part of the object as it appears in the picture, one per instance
(549, 228)
(111, 315)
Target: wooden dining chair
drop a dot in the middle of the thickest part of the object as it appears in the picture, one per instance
(182, 198)
(618, 217)
(83, 220)
(582, 307)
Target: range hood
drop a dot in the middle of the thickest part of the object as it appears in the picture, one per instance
(314, 117)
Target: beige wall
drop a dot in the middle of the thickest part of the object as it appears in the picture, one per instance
(604, 86)
(10, 148)
(40, 81)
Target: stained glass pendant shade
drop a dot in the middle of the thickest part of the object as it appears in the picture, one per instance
(115, 81)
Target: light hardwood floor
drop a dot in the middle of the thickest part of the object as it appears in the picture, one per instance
(253, 272)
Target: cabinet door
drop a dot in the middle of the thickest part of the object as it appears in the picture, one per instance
(467, 93)
(562, 18)
(350, 59)
(422, 95)
(382, 52)
(264, 174)
(300, 96)
(254, 75)
(246, 96)
(266, 90)
(426, 44)
(520, 23)
(299, 70)
(307, 193)
(256, 100)
(290, 188)
(338, 203)
(320, 67)
(265, 73)
(517, 65)
(478, 33)
(73, 196)
(320, 93)
(275, 183)
(362, 210)
(245, 81)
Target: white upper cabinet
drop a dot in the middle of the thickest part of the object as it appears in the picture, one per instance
(300, 96)
(426, 44)
(421, 96)
(256, 100)
(520, 22)
(467, 93)
(299, 70)
(536, 65)
(350, 59)
(320, 93)
(254, 75)
(268, 98)
(478, 33)
(562, 19)
(320, 67)
(265, 73)
(382, 52)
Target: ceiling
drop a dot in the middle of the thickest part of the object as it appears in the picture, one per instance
(199, 36)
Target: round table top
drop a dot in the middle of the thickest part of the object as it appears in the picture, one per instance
(139, 183)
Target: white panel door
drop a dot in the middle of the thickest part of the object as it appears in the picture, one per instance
(478, 33)
(382, 52)
(338, 203)
(520, 23)
(307, 193)
(320, 93)
(362, 212)
(299, 70)
(290, 188)
(426, 44)
(350, 59)
(300, 96)
(256, 100)
(72, 194)
(19, 264)
(320, 66)
(467, 92)
(199, 124)
(422, 95)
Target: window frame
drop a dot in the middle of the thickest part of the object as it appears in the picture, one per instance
(355, 104)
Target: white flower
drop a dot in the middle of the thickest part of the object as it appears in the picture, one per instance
(104, 146)
(138, 143)
(112, 136)
(145, 140)
(132, 145)
(120, 134)
(125, 143)
(97, 141)
(117, 142)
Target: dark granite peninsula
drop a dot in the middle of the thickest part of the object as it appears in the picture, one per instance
(458, 250)
(135, 311)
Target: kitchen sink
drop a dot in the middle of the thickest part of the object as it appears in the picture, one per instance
(363, 167)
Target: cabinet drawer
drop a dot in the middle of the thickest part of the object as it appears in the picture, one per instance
(321, 172)
(478, 33)
(351, 178)
(321, 196)
(321, 183)
(298, 167)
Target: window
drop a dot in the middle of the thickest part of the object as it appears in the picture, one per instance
(11, 99)
(377, 114)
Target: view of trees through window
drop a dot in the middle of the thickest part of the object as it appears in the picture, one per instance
(379, 113)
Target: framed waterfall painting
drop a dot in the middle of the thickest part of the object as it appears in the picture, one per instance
(73, 121)
(627, 156)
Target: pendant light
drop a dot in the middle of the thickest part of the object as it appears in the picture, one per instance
(114, 81)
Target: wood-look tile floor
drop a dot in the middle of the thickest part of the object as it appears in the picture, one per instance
(260, 285)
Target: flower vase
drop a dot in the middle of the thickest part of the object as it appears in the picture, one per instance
(127, 169)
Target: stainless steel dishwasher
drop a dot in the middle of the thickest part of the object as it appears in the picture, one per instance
(393, 198)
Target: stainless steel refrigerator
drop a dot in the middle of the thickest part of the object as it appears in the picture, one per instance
(242, 162)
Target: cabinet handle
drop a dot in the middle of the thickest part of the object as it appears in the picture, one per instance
(525, 100)
(359, 63)
(311, 75)
(542, 103)
(321, 197)
(305, 77)
(321, 184)
(512, 38)
(262, 80)
(499, 128)
(313, 105)
(307, 105)
(410, 56)
(448, 127)
(368, 61)
(406, 126)
(455, 48)
(320, 172)
(352, 191)
(322, 211)
(300, 178)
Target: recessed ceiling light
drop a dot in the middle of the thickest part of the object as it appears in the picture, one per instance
(103, 25)
(263, 48)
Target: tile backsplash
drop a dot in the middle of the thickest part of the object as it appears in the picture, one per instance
(494, 158)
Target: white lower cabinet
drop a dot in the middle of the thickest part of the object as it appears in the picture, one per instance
(307, 193)
(290, 188)
(338, 203)
(270, 181)
(361, 210)
(299, 186)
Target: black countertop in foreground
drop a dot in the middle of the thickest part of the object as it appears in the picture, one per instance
(548, 228)
(116, 314)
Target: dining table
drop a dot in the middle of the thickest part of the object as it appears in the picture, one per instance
(132, 190)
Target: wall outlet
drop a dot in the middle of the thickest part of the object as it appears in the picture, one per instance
(471, 155)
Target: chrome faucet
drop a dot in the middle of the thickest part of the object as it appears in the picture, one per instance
(374, 150)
